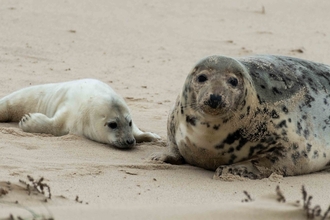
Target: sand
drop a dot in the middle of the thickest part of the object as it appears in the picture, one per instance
(144, 50)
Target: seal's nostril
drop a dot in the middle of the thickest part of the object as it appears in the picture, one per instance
(130, 142)
(214, 101)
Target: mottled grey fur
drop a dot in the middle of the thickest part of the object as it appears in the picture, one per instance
(252, 116)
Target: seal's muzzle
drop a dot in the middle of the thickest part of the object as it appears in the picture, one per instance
(214, 101)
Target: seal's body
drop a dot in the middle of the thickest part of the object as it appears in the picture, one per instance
(240, 115)
(86, 107)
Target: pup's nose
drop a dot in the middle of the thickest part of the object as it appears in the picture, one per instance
(214, 101)
(130, 142)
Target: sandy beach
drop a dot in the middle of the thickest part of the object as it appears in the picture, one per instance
(144, 51)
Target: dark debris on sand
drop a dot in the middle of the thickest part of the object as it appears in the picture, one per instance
(311, 212)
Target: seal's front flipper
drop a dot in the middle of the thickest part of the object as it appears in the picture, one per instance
(36, 123)
(172, 155)
(40, 123)
(248, 169)
(141, 136)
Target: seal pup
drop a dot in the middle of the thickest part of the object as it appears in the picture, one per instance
(86, 107)
(252, 116)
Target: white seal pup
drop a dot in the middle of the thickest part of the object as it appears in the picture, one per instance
(85, 107)
(252, 116)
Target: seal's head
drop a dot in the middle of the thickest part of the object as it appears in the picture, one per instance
(216, 86)
(112, 123)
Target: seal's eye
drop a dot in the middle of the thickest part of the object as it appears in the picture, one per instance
(202, 78)
(130, 124)
(233, 81)
(112, 125)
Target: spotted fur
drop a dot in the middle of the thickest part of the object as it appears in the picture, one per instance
(252, 112)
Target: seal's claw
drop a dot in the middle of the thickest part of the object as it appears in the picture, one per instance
(167, 158)
(25, 118)
(241, 171)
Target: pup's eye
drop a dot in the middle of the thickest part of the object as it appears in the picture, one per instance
(130, 124)
(112, 125)
(233, 81)
(202, 78)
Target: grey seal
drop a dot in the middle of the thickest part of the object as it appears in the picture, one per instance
(252, 116)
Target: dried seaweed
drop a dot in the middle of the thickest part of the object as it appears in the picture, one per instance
(80, 201)
(248, 197)
(3, 192)
(326, 214)
(37, 185)
(280, 196)
(37, 217)
(32, 186)
(312, 212)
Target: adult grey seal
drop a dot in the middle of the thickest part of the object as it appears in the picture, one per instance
(85, 107)
(252, 116)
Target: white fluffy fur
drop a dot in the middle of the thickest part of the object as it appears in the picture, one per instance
(83, 107)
